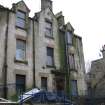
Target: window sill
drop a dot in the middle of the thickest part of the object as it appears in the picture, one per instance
(20, 28)
(50, 66)
(21, 61)
(50, 37)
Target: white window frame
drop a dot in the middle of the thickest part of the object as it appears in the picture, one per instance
(20, 52)
(50, 58)
(20, 20)
(69, 37)
(48, 29)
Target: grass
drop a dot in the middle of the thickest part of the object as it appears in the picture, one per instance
(14, 97)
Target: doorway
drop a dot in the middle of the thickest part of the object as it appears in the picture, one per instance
(20, 83)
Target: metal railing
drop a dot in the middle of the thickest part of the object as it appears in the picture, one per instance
(88, 99)
(41, 98)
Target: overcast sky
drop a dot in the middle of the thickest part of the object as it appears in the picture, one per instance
(86, 16)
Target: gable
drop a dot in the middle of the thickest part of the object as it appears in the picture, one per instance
(69, 27)
(21, 6)
(49, 14)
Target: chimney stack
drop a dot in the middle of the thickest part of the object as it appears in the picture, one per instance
(45, 4)
(60, 19)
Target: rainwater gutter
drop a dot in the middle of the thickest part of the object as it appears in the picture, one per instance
(34, 82)
(5, 65)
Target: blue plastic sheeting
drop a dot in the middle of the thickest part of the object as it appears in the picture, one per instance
(50, 97)
(28, 95)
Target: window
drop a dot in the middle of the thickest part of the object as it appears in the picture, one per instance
(20, 19)
(50, 56)
(20, 50)
(20, 83)
(69, 38)
(44, 83)
(48, 29)
(74, 88)
(71, 61)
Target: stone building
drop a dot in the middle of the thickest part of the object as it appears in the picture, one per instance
(41, 51)
(97, 76)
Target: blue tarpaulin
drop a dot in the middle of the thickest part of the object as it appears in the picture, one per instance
(49, 97)
(43, 96)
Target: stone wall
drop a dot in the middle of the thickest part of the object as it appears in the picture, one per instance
(41, 43)
(79, 75)
(14, 67)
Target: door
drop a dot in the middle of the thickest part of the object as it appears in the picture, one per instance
(74, 90)
(60, 83)
(44, 83)
(20, 83)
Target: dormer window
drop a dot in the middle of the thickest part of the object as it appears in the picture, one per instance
(72, 61)
(20, 19)
(69, 38)
(48, 29)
